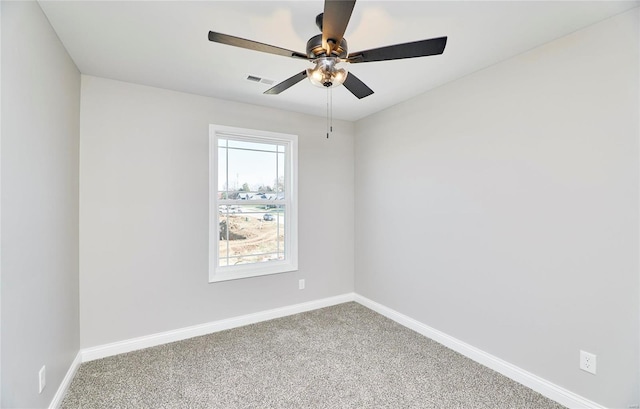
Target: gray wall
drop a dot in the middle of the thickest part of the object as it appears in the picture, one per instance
(502, 209)
(40, 133)
(144, 212)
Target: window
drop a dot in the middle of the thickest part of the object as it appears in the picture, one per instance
(252, 203)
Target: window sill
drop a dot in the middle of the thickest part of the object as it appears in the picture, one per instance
(251, 271)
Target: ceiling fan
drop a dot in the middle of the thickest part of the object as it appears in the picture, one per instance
(328, 49)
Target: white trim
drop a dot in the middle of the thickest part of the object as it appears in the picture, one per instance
(538, 384)
(66, 381)
(134, 344)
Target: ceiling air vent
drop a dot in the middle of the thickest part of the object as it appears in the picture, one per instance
(254, 78)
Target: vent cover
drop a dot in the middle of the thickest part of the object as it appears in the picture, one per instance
(254, 78)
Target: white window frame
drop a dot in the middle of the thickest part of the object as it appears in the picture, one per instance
(290, 262)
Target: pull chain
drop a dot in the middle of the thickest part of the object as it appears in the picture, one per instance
(328, 126)
(329, 111)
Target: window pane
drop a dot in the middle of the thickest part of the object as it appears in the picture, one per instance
(252, 171)
(251, 234)
(222, 173)
(253, 146)
(281, 177)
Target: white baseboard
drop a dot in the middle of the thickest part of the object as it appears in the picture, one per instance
(538, 384)
(66, 381)
(120, 347)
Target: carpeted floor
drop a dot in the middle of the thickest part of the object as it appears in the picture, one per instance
(345, 356)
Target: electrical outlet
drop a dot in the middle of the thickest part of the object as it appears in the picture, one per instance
(42, 378)
(301, 284)
(588, 362)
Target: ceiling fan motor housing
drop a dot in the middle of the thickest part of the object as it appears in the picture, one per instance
(314, 48)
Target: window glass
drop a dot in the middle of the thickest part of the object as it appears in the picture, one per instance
(251, 234)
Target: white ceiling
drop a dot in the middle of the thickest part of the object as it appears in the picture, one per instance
(164, 44)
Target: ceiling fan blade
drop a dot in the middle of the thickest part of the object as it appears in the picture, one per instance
(423, 48)
(334, 21)
(253, 45)
(289, 82)
(357, 87)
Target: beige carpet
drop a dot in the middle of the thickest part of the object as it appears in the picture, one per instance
(345, 356)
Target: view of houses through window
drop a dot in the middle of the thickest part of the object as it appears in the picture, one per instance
(251, 232)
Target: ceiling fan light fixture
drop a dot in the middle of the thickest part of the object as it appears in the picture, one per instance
(341, 75)
(325, 74)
